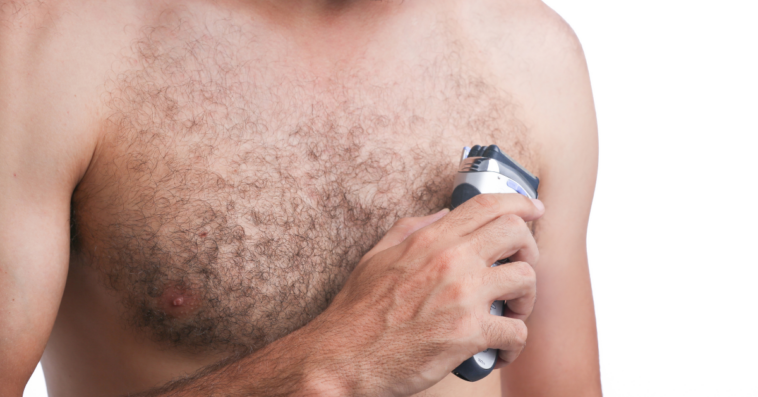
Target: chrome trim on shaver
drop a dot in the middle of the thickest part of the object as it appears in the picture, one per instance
(464, 154)
(473, 166)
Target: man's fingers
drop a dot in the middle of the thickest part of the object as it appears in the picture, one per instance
(515, 283)
(507, 334)
(507, 236)
(482, 209)
(403, 228)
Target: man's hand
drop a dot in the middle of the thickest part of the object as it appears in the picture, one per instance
(417, 305)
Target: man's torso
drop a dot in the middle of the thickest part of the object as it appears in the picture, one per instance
(243, 168)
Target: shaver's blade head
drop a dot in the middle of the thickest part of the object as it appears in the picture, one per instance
(476, 161)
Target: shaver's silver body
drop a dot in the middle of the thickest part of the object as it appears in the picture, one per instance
(492, 176)
(488, 170)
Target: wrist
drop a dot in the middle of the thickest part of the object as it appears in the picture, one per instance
(326, 363)
(323, 382)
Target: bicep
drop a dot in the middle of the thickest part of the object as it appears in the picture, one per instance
(38, 170)
(562, 342)
(561, 358)
(33, 266)
(34, 243)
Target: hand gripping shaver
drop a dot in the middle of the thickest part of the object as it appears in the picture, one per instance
(485, 169)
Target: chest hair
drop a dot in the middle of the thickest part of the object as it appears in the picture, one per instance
(246, 190)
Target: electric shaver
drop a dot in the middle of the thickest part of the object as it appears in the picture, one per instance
(485, 169)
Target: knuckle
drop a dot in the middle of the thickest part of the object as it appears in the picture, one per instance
(522, 201)
(520, 333)
(470, 327)
(455, 292)
(422, 238)
(403, 223)
(487, 201)
(447, 259)
(453, 253)
(535, 254)
(489, 331)
(526, 272)
(514, 221)
(468, 284)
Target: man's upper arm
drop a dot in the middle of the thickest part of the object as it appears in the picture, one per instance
(39, 166)
(547, 74)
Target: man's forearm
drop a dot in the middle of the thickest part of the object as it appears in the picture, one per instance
(286, 367)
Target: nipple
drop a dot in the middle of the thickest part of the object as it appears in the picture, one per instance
(178, 302)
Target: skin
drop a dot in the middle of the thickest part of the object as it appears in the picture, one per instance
(55, 61)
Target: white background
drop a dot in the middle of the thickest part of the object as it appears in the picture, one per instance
(674, 221)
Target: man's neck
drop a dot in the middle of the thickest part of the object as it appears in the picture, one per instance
(312, 13)
(326, 33)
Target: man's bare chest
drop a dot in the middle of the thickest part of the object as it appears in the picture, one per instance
(231, 194)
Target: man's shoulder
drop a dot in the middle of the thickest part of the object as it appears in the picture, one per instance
(522, 24)
(72, 30)
(540, 60)
(525, 37)
(541, 63)
(53, 65)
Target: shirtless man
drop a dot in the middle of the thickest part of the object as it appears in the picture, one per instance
(198, 198)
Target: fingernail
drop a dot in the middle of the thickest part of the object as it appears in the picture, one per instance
(537, 203)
